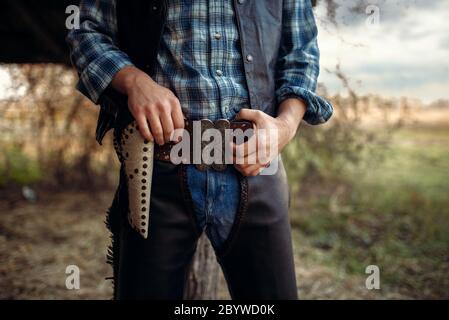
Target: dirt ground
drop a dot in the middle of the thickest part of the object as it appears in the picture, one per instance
(39, 240)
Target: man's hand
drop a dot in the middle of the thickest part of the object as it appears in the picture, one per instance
(290, 113)
(156, 109)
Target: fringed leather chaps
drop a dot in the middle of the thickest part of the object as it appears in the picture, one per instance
(257, 258)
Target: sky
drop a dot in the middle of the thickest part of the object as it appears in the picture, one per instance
(405, 54)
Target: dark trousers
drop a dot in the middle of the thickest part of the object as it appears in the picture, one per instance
(256, 259)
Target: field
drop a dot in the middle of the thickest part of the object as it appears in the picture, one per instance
(391, 213)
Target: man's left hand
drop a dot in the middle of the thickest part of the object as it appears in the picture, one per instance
(278, 131)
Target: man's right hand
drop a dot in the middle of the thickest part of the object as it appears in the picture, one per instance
(156, 109)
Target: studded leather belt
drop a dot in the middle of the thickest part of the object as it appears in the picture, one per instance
(195, 130)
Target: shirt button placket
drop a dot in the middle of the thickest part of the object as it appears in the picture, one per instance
(218, 49)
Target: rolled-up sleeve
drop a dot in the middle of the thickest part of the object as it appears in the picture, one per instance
(298, 62)
(93, 47)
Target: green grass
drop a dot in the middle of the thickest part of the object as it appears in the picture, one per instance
(392, 212)
(17, 168)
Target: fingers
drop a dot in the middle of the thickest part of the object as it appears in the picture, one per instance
(256, 149)
(164, 119)
(178, 120)
(177, 116)
(256, 171)
(251, 170)
(156, 110)
(250, 115)
(251, 157)
(144, 130)
(167, 126)
(246, 149)
(156, 127)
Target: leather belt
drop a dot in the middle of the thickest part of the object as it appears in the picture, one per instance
(162, 153)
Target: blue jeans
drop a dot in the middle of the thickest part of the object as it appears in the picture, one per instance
(216, 197)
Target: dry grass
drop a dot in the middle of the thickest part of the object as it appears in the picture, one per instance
(38, 241)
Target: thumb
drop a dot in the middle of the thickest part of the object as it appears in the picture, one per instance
(248, 114)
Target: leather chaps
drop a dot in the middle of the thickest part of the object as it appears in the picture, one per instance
(257, 258)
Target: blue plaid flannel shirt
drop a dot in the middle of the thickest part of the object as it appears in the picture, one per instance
(200, 57)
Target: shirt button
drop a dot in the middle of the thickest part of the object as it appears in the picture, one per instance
(217, 35)
(249, 58)
(219, 73)
(241, 1)
(154, 8)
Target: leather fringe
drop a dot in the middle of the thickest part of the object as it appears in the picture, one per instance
(112, 257)
(114, 222)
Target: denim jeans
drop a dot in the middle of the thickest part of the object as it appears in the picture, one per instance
(216, 197)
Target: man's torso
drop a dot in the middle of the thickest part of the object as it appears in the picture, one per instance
(200, 59)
